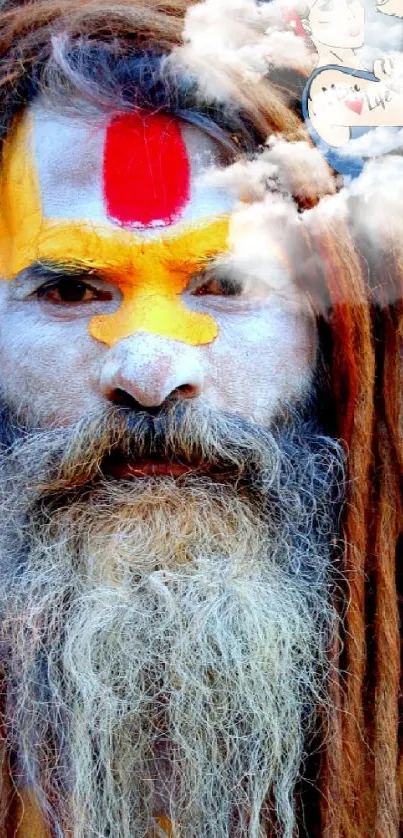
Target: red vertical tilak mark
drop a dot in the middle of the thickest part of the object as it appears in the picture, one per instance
(146, 170)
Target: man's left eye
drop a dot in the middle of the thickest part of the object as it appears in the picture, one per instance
(70, 291)
(208, 283)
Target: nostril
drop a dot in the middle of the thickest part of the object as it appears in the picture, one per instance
(122, 398)
(185, 391)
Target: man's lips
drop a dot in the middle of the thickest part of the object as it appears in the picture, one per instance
(149, 468)
(121, 466)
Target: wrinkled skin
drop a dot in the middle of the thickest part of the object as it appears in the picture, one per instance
(52, 368)
(53, 371)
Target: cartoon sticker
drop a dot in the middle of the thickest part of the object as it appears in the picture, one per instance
(341, 105)
(344, 102)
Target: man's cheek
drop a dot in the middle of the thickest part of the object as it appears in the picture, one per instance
(47, 373)
(275, 354)
(17, 363)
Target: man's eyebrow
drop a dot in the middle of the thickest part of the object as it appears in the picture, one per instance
(43, 270)
(49, 268)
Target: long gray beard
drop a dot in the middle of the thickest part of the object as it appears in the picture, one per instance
(165, 641)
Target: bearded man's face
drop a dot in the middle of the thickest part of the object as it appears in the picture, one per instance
(169, 511)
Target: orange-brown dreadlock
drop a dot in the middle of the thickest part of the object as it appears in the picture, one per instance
(361, 777)
(362, 766)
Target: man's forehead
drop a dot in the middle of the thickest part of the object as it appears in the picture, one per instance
(137, 170)
(89, 191)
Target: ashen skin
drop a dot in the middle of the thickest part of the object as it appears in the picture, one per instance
(53, 368)
(246, 564)
(54, 372)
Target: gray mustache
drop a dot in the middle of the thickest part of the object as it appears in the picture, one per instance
(267, 464)
(181, 433)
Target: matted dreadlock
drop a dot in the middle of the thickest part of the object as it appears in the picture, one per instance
(358, 785)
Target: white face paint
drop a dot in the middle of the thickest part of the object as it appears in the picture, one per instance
(56, 372)
(70, 157)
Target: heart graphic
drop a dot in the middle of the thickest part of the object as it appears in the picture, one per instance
(356, 104)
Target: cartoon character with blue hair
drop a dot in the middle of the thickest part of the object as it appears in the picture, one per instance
(341, 105)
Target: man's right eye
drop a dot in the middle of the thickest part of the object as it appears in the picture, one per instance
(68, 291)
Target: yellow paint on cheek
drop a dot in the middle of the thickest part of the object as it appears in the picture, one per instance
(151, 273)
(20, 206)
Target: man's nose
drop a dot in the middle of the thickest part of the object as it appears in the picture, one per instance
(150, 370)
